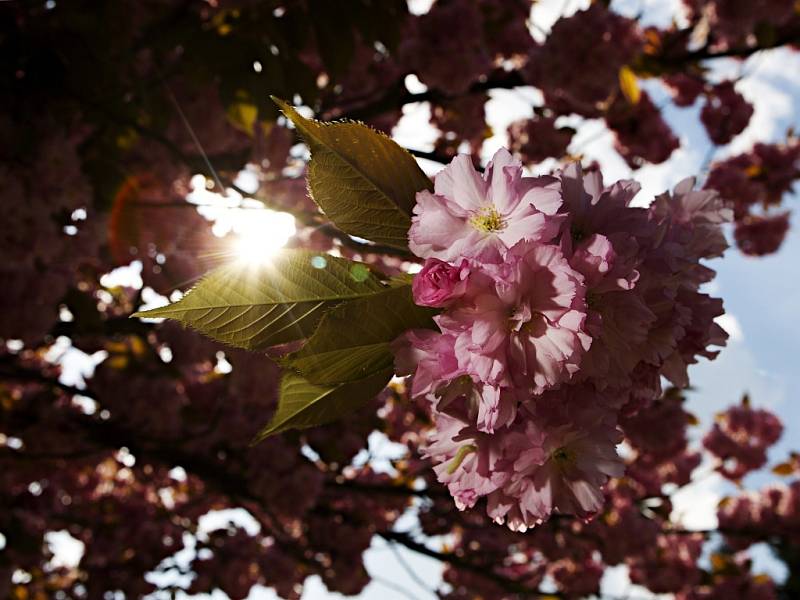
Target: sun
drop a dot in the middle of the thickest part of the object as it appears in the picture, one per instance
(260, 234)
(253, 233)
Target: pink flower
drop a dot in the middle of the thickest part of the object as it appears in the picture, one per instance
(522, 322)
(560, 465)
(700, 332)
(466, 460)
(537, 139)
(486, 406)
(761, 176)
(556, 456)
(430, 357)
(670, 564)
(692, 218)
(563, 309)
(642, 133)
(438, 283)
(593, 208)
(481, 217)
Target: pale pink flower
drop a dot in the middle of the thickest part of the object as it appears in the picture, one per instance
(523, 323)
(481, 217)
(563, 308)
(700, 332)
(578, 440)
(486, 406)
(465, 460)
(556, 456)
(430, 357)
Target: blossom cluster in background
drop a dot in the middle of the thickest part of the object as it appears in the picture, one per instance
(563, 306)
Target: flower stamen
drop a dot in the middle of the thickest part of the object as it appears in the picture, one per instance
(487, 220)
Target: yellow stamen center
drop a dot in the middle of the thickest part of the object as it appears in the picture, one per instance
(487, 220)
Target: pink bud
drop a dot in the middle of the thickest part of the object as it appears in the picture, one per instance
(439, 282)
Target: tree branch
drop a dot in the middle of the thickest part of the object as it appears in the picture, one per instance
(511, 585)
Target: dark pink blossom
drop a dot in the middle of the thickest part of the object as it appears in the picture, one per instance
(726, 113)
(439, 283)
(537, 139)
(741, 437)
(760, 235)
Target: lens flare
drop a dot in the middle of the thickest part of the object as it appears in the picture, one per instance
(260, 235)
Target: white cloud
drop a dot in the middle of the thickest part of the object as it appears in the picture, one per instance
(731, 325)
(695, 505)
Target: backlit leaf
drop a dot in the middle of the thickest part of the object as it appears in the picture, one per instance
(303, 404)
(352, 340)
(363, 181)
(257, 306)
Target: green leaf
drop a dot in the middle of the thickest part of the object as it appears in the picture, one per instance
(256, 306)
(352, 340)
(363, 181)
(303, 404)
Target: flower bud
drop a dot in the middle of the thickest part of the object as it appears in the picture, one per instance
(439, 282)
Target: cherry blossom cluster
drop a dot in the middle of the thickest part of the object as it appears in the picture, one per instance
(756, 182)
(562, 306)
(755, 515)
(741, 437)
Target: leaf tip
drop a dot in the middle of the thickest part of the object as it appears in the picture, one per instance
(282, 104)
(268, 431)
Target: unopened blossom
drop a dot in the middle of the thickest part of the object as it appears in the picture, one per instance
(439, 282)
(470, 215)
